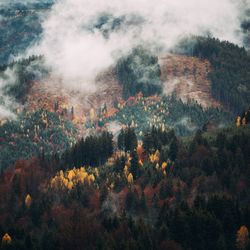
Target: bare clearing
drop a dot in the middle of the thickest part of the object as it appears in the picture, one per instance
(188, 77)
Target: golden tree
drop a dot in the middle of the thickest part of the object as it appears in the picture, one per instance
(72, 177)
(6, 240)
(238, 121)
(130, 178)
(242, 238)
(28, 200)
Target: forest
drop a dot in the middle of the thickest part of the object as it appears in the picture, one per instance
(164, 192)
(20, 27)
(157, 157)
(167, 112)
(230, 74)
(33, 134)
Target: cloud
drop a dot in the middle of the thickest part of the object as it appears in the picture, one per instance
(7, 105)
(83, 37)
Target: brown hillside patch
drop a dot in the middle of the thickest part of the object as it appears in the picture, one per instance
(51, 92)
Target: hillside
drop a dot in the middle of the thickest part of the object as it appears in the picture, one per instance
(188, 77)
(156, 197)
(124, 125)
(20, 27)
(54, 96)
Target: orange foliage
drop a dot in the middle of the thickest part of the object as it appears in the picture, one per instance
(28, 200)
(242, 238)
(6, 240)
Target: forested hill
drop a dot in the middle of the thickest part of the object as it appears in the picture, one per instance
(231, 70)
(155, 156)
(167, 193)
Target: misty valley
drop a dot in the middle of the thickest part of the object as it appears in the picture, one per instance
(124, 125)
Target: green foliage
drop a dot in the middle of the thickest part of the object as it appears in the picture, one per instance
(20, 27)
(196, 205)
(20, 75)
(92, 150)
(127, 140)
(155, 139)
(29, 136)
(168, 112)
(139, 72)
(230, 75)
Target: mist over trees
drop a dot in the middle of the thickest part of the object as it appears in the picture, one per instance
(20, 27)
(139, 72)
(21, 75)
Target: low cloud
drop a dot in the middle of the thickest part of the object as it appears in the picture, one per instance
(82, 38)
(7, 104)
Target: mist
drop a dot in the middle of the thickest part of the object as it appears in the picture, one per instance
(7, 104)
(82, 38)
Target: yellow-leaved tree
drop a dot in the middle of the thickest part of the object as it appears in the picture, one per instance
(91, 178)
(125, 170)
(130, 178)
(164, 165)
(70, 185)
(71, 178)
(242, 238)
(6, 240)
(238, 121)
(154, 158)
(71, 174)
(28, 200)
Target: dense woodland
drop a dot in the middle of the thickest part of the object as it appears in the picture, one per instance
(18, 30)
(230, 74)
(167, 193)
(185, 118)
(32, 134)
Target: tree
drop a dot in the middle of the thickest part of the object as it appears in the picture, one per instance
(173, 150)
(127, 140)
(242, 238)
(28, 200)
(130, 178)
(135, 167)
(6, 240)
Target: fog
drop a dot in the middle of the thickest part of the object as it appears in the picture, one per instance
(82, 38)
(7, 104)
